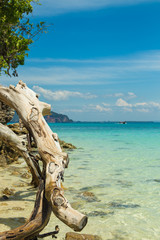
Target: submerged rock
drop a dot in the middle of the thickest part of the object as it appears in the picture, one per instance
(122, 205)
(125, 184)
(99, 214)
(65, 145)
(77, 236)
(89, 196)
(77, 205)
(87, 188)
(156, 180)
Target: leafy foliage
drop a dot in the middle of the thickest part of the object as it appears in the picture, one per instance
(16, 33)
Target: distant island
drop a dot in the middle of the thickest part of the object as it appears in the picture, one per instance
(57, 118)
(52, 118)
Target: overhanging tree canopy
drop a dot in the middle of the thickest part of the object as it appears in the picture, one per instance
(16, 33)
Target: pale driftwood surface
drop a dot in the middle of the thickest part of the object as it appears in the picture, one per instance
(38, 220)
(31, 112)
(19, 143)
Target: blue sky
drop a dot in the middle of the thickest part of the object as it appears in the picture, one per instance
(100, 60)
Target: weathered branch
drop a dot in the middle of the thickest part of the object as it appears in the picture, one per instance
(50, 233)
(38, 220)
(31, 111)
(19, 143)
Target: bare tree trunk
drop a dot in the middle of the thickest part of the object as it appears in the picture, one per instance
(38, 220)
(31, 111)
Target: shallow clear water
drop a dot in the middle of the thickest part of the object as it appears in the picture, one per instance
(120, 165)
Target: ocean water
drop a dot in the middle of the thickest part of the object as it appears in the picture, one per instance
(120, 166)
(113, 177)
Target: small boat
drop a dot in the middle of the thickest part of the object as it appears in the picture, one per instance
(124, 122)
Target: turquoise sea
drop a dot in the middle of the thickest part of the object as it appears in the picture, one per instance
(119, 165)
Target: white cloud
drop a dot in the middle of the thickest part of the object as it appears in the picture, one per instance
(144, 67)
(150, 105)
(102, 109)
(127, 109)
(131, 95)
(118, 94)
(55, 7)
(106, 104)
(154, 104)
(122, 103)
(61, 95)
(67, 75)
(98, 108)
(128, 95)
(115, 95)
(141, 104)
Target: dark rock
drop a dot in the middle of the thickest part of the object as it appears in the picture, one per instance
(6, 113)
(26, 175)
(124, 184)
(77, 236)
(86, 188)
(99, 213)
(77, 205)
(8, 154)
(17, 130)
(101, 185)
(4, 197)
(122, 205)
(157, 180)
(8, 191)
(65, 145)
(89, 197)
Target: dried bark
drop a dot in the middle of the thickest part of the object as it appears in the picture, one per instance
(19, 143)
(38, 220)
(31, 111)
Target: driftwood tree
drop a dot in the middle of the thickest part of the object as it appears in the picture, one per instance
(50, 196)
